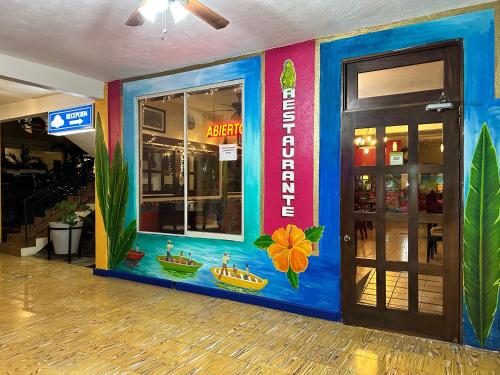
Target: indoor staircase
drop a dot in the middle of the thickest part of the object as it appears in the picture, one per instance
(32, 236)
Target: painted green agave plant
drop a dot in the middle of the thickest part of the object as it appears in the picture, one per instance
(482, 238)
(112, 191)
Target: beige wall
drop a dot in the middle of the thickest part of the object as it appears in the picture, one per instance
(40, 105)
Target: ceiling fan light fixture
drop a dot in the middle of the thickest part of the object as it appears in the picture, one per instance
(178, 11)
(151, 8)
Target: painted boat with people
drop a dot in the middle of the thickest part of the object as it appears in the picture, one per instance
(252, 282)
(179, 264)
(135, 255)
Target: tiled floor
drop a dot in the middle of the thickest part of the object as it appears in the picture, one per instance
(396, 243)
(83, 261)
(430, 296)
(430, 288)
(57, 318)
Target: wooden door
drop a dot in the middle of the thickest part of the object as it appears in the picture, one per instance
(401, 191)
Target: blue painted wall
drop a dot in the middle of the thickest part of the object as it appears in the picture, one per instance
(477, 32)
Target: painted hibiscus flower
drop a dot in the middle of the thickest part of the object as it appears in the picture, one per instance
(290, 249)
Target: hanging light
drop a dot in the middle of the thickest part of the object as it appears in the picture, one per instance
(178, 11)
(153, 7)
(365, 143)
(163, 34)
(441, 147)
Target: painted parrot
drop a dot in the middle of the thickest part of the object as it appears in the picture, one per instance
(288, 75)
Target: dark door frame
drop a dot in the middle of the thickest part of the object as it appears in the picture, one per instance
(375, 112)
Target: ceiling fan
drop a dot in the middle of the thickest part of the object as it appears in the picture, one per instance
(148, 9)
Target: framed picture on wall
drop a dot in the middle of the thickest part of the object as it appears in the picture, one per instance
(154, 119)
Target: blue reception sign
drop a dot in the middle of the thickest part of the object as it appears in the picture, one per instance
(71, 120)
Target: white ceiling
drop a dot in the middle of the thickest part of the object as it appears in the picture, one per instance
(90, 38)
(12, 92)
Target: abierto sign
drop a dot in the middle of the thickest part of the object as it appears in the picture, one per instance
(71, 120)
(229, 129)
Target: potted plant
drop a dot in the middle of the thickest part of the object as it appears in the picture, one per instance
(71, 220)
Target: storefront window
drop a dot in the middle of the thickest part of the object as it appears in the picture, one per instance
(192, 148)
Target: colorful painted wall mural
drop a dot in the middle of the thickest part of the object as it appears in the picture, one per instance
(275, 262)
(264, 271)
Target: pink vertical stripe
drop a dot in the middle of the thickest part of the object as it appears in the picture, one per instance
(114, 115)
(303, 57)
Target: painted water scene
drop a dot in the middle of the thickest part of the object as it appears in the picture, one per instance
(262, 269)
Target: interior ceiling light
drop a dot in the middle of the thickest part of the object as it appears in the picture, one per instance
(148, 9)
(178, 11)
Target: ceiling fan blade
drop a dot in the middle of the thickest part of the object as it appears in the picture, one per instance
(208, 15)
(136, 18)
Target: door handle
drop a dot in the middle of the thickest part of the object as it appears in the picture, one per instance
(347, 238)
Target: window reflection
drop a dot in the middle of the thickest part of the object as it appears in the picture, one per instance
(430, 193)
(396, 290)
(430, 243)
(215, 184)
(365, 239)
(396, 145)
(162, 131)
(430, 143)
(365, 143)
(365, 193)
(366, 286)
(396, 193)
(430, 294)
(401, 80)
(183, 148)
(396, 240)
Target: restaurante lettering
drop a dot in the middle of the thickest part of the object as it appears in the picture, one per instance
(287, 154)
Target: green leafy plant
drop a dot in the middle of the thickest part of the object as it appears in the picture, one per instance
(290, 249)
(482, 238)
(112, 192)
(68, 213)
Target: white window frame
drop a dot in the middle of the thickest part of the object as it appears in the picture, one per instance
(185, 92)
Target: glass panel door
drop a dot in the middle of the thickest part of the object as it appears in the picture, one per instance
(396, 236)
(400, 202)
